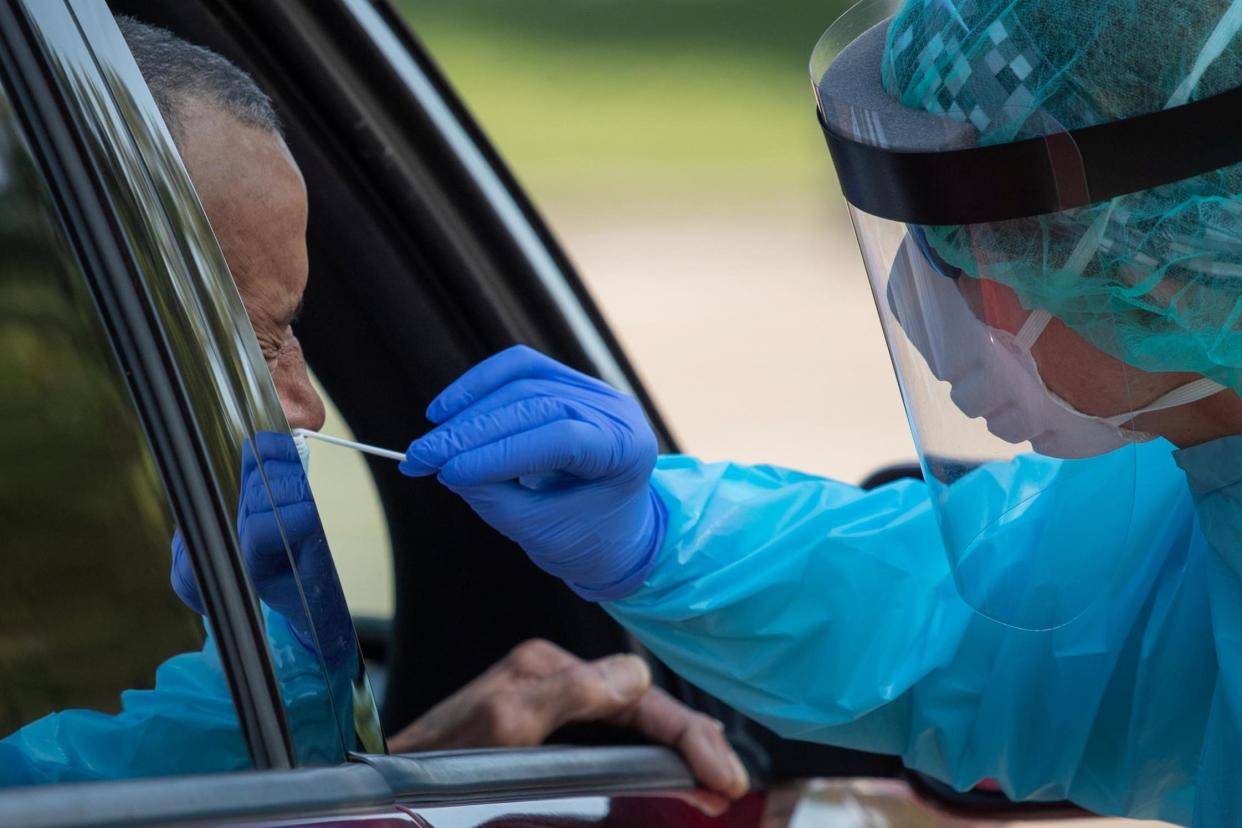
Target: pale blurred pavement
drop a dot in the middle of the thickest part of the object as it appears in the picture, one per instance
(752, 325)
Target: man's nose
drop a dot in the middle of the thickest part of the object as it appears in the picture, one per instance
(303, 406)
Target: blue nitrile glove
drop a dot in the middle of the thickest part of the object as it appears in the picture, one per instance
(263, 547)
(555, 460)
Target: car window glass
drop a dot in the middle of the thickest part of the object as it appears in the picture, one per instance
(350, 508)
(309, 628)
(104, 672)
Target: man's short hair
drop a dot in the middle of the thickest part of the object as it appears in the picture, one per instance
(178, 71)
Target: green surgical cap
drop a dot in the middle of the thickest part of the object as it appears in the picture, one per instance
(1153, 278)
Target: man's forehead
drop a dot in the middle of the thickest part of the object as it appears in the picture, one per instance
(223, 148)
(270, 297)
(256, 201)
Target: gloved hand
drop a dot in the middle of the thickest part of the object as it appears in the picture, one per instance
(284, 502)
(555, 460)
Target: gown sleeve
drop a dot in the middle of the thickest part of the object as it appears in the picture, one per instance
(829, 614)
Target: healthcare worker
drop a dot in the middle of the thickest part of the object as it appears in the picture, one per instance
(1048, 198)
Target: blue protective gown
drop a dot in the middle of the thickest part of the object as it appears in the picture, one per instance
(830, 614)
(185, 724)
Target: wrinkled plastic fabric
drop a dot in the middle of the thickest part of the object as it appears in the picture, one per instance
(829, 614)
(1153, 278)
(1215, 474)
(186, 724)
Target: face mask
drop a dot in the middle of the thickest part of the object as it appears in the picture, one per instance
(992, 373)
(303, 447)
(1186, 394)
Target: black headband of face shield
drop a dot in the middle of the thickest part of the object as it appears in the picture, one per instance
(1031, 177)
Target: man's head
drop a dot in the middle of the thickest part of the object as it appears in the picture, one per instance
(232, 144)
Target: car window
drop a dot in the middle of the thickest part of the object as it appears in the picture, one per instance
(222, 372)
(91, 624)
(354, 520)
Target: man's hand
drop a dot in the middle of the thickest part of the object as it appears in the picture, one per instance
(539, 687)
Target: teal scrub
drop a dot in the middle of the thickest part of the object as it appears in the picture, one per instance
(186, 724)
(830, 614)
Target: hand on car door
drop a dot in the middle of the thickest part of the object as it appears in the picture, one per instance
(539, 687)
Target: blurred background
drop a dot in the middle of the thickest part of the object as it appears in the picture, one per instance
(673, 147)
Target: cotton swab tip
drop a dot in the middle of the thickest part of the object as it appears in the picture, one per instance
(338, 441)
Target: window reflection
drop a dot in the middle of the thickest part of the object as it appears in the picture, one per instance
(90, 626)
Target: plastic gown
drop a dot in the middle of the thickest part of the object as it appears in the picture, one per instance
(185, 724)
(829, 614)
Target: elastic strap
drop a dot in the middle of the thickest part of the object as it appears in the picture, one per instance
(1032, 329)
(1189, 393)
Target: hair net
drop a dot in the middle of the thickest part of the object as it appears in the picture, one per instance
(1153, 278)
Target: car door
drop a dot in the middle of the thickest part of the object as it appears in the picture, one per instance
(124, 390)
(134, 261)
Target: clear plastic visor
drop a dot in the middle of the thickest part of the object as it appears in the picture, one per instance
(1021, 430)
(1021, 420)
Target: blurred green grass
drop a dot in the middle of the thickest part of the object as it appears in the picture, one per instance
(638, 97)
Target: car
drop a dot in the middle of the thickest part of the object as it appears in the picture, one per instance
(132, 384)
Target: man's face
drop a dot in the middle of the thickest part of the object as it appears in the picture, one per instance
(255, 198)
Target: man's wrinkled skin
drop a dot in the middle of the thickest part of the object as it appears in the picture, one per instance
(539, 687)
(255, 197)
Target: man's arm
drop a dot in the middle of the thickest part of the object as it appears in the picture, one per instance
(804, 602)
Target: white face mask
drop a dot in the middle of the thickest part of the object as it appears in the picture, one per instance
(993, 375)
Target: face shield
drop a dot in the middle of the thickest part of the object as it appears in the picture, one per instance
(986, 260)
